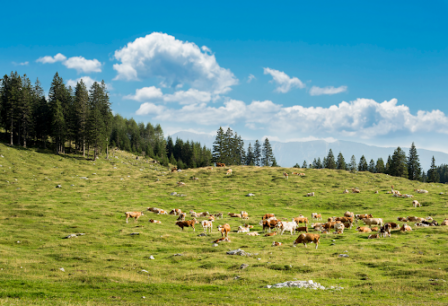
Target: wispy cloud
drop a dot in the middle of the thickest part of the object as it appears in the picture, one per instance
(250, 78)
(329, 90)
(283, 81)
(79, 63)
(20, 64)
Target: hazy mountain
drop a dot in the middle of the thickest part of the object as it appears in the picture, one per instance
(290, 153)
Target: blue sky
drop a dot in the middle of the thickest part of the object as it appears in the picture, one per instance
(372, 72)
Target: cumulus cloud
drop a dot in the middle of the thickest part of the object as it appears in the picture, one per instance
(329, 90)
(82, 65)
(250, 78)
(76, 62)
(362, 118)
(145, 94)
(283, 81)
(51, 60)
(174, 62)
(88, 81)
(155, 94)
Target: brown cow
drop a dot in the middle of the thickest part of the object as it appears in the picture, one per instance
(175, 211)
(402, 219)
(302, 229)
(267, 216)
(189, 223)
(308, 238)
(222, 239)
(174, 169)
(405, 228)
(220, 165)
(301, 220)
(270, 224)
(285, 175)
(233, 215)
(276, 243)
(224, 229)
(374, 236)
(363, 229)
(270, 234)
(133, 214)
(154, 221)
(182, 217)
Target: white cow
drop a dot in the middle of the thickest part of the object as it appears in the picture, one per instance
(287, 226)
(207, 225)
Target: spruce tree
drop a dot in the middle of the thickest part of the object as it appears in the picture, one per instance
(218, 146)
(304, 165)
(250, 156)
(399, 164)
(81, 106)
(257, 153)
(414, 168)
(340, 163)
(106, 113)
(319, 164)
(96, 126)
(10, 99)
(296, 165)
(372, 167)
(274, 163)
(241, 152)
(315, 165)
(57, 126)
(353, 167)
(229, 148)
(267, 156)
(331, 164)
(433, 175)
(362, 166)
(387, 169)
(324, 163)
(379, 167)
(25, 110)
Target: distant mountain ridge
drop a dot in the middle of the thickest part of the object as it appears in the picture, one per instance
(288, 154)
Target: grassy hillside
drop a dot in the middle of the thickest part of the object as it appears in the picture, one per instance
(104, 266)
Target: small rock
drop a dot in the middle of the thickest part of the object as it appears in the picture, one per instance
(18, 241)
(268, 286)
(237, 277)
(258, 258)
(178, 254)
(173, 193)
(441, 193)
(332, 244)
(215, 245)
(70, 236)
(62, 269)
(134, 234)
(59, 186)
(333, 240)
(343, 255)
(143, 297)
(151, 257)
(72, 185)
(144, 271)
(244, 266)
(202, 235)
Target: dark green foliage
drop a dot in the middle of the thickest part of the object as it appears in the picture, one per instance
(330, 164)
(352, 166)
(372, 167)
(433, 175)
(304, 165)
(250, 157)
(267, 158)
(296, 165)
(218, 146)
(379, 168)
(257, 153)
(399, 166)
(340, 163)
(362, 166)
(414, 168)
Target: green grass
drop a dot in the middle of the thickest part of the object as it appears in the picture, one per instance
(103, 267)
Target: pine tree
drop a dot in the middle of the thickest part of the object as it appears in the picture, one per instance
(274, 163)
(40, 113)
(58, 92)
(362, 166)
(372, 167)
(57, 126)
(10, 99)
(324, 163)
(241, 151)
(218, 146)
(250, 156)
(304, 165)
(319, 164)
(267, 156)
(81, 106)
(433, 175)
(387, 169)
(25, 110)
(353, 167)
(340, 163)
(315, 165)
(257, 153)
(229, 148)
(331, 164)
(399, 164)
(296, 165)
(424, 177)
(414, 168)
(379, 168)
(96, 126)
(106, 113)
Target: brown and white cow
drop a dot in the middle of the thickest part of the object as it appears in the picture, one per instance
(301, 220)
(276, 243)
(316, 216)
(229, 172)
(355, 190)
(270, 234)
(218, 215)
(373, 221)
(374, 236)
(270, 224)
(402, 219)
(222, 239)
(308, 238)
(349, 214)
(182, 217)
(133, 214)
(339, 228)
(405, 228)
(189, 223)
(415, 203)
(253, 234)
(233, 215)
(302, 229)
(207, 225)
(267, 216)
(154, 221)
(224, 229)
(311, 194)
(242, 229)
(285, 175)
(444, 222)
(175, 212)
(244, 215)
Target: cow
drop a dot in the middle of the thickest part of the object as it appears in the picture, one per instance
(374, 236)
(301, 174)
(182, 217)
(174, 169)
(210, 168)
(376, 192)
(393, 225)
(345, 191)
(349, 214)
(223, 239)
(218, 215)
(444, 222)
(270, 224)
(415, 219)
(405, 228)
(344, 219)
(276, 243)
(189, 223)
(374, 229)
(220, 165)
(162, 212)
(233, 215)
(181, 184)
(194, 178)
(224, 229)
(285, 175)
(422, 191)
(429, 218)
(339, 228)
(385, 230)
(316, 216)
(421, 225)
(175, 211)
(415, 203)
(301, 220)
(207, 225)
(153, 209)
(242, 229)
(229, 172)
(363, 229)
(311, 194)
(308, 238)
(329, 225)
(154, 221)
(362, 216)
(244, 215)
(355, 190)
(211, 218)
(286, 226)
(133, 214)
(402, 219)
(374, 221)
(253, 234)
(270, 234)
(248, 226)
(302, 229)
(267, 216)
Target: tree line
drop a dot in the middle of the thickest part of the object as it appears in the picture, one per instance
(81, 120)
(396, 165)
(228, 148)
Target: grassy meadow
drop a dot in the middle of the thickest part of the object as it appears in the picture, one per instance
(104, 266)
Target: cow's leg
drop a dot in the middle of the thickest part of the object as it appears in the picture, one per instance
(127, 219)
(305, 244)
(317, 244)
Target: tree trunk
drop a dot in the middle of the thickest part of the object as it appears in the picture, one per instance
(107, 148)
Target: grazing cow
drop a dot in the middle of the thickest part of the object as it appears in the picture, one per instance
(253, 234)
(311, 194)
(175, 211)
(270, 224)
(133, 214)
(162, 212)
(374, 221)
(329, 225)
(267, 216)
(445, 222)
(344, 219)
(363, 229)
(301, 220)
(402, 219)
(308, 238)
(405, 228)
(302, 229)
(295, 173)
(189, 223)
(207, 225)
(374, 236)
(355, 190)
(339, 228)
(211, 218)
(313, 225)
(242, 229)
(182, 217)
(244, 215)
(345, 191)
(316, 216)
(385, 230)
(415, 203)
(276, 243)
(360, 217)
(154, 221)
(270, 234)
(229, 172)
(248, 226)
(286, 226)
(223, 239)
(374, 229)
(224, 229)
(285, 175)
(218, 215)
(234, 215)
(220, 165)
(349, 214)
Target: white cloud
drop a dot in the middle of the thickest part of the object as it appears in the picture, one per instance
(250, 78)
(155, 94)
(329, 90)
(83, 65)
(174, 62)
(283, 81)
(51, 60)
(20, 64)
(88, 81)
(145, 94)
(206, 49)
(150, 108)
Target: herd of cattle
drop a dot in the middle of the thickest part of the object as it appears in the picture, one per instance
(298, 224)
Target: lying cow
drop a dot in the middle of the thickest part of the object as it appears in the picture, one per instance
(302, 229)
(415, 203)
(242, 229)
(339, 228)
(345, 191)
(385, 230)
(133, 214)
(373, 221)
(363, 229)
(182, 217)
(222, 239)
(270, 234)
(402, 219)
(253, 234)
(445, 222)
(218, 215)
(233, 215)
(175, 211)
(154, 221)
(374, 236)
(355, 190)
(276, 243)
(189, 223)
(308, 238)
(248, 226)
(349, 214)
(405, 228)
(311, 194)
(244, 215)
